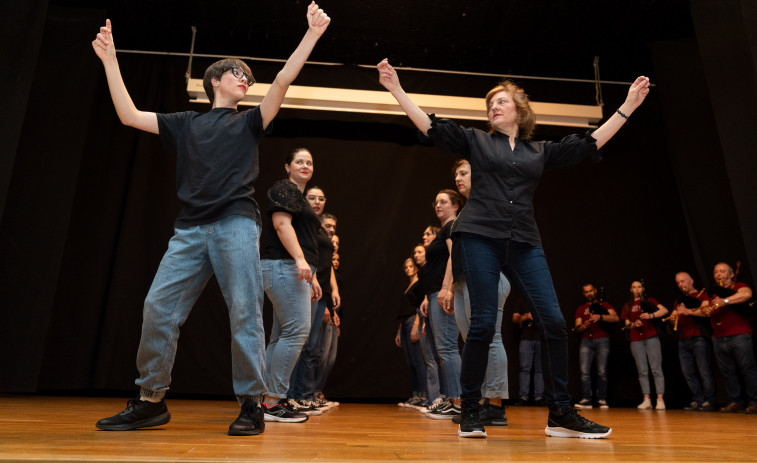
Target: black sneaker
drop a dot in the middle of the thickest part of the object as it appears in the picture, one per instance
(571, 424)
(493, 415)
(138, 414)
(488, 415)
(303, 407)
(445, 412)
(250, 421)
(282, 413)
(470, 426)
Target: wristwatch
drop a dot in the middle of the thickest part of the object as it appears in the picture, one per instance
(726, 301)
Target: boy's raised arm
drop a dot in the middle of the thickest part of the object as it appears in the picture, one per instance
(127, 112)
(318, 21)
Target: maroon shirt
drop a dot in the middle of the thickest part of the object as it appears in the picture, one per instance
(687, 324)
(594, 330)
(729, 320)
(647, 329)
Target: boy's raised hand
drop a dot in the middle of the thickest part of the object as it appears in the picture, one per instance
(103, 43)
(318, 20)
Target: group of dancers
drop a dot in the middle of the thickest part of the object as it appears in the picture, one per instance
(491, 234)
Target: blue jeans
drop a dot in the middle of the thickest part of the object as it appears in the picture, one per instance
(649, 349)
(594, 349)
(328, 355)
(413, 358)
(445, 337)
(428, 348)
(526, 267)
(529, 354)
(495, 383)
(290, 298)
(228, 248)
(695, 355)
(736, 354)
(303, 384)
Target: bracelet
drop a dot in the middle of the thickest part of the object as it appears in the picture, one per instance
(621, 114)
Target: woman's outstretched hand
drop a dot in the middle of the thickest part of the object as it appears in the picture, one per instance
(387, 75)
(638, 91)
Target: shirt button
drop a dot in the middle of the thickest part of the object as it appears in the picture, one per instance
(511, 202)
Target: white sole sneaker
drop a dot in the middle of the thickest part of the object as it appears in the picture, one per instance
(460, 433)
(563, 432)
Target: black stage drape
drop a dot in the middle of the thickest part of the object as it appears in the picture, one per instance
(90, 207)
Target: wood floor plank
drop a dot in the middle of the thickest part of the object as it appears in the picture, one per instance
(34, 428)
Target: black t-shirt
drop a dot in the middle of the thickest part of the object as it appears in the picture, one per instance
(323, 269)
(503, 180)
(410, 301)
(284, 196)
(437, 255)
(216, 162)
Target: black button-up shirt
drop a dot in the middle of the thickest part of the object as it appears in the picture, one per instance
(503, 180)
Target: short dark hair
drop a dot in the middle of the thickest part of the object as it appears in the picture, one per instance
(326, 215)
(216, 70)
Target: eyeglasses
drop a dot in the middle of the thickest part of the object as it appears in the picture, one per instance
(239, 73)
(320, 199)
(440, 202)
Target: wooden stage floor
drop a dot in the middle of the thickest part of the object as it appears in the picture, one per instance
(35, 428)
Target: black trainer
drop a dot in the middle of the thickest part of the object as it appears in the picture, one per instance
(470, 426)
(493, 415)
(282, 413)
(250, 421)
(571, 424)
(489, 415)
(138, 414)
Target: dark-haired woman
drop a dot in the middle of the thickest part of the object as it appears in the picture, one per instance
(289, 264)
(638, 314)
(446, 207)
(408, 336)
(428, 348)
(304, 381)
(498, 231)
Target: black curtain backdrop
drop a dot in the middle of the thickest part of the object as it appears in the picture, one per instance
(91, 203)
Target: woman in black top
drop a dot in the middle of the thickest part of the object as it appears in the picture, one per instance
(407, 335)
(446, 206)
(289, 277)
(498, 231)
(303, 387)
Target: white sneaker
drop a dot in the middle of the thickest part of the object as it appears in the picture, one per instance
(660, 405)
(646, 405)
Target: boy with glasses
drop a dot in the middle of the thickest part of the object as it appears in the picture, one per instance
(217, 229)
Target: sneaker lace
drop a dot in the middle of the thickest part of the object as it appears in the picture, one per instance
(437, 404)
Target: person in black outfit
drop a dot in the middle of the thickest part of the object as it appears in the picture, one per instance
(408, 336)
(498, 232)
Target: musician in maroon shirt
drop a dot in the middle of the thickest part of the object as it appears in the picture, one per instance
(732, 338)
(694, 348)
(638, 314)
(591, 320)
